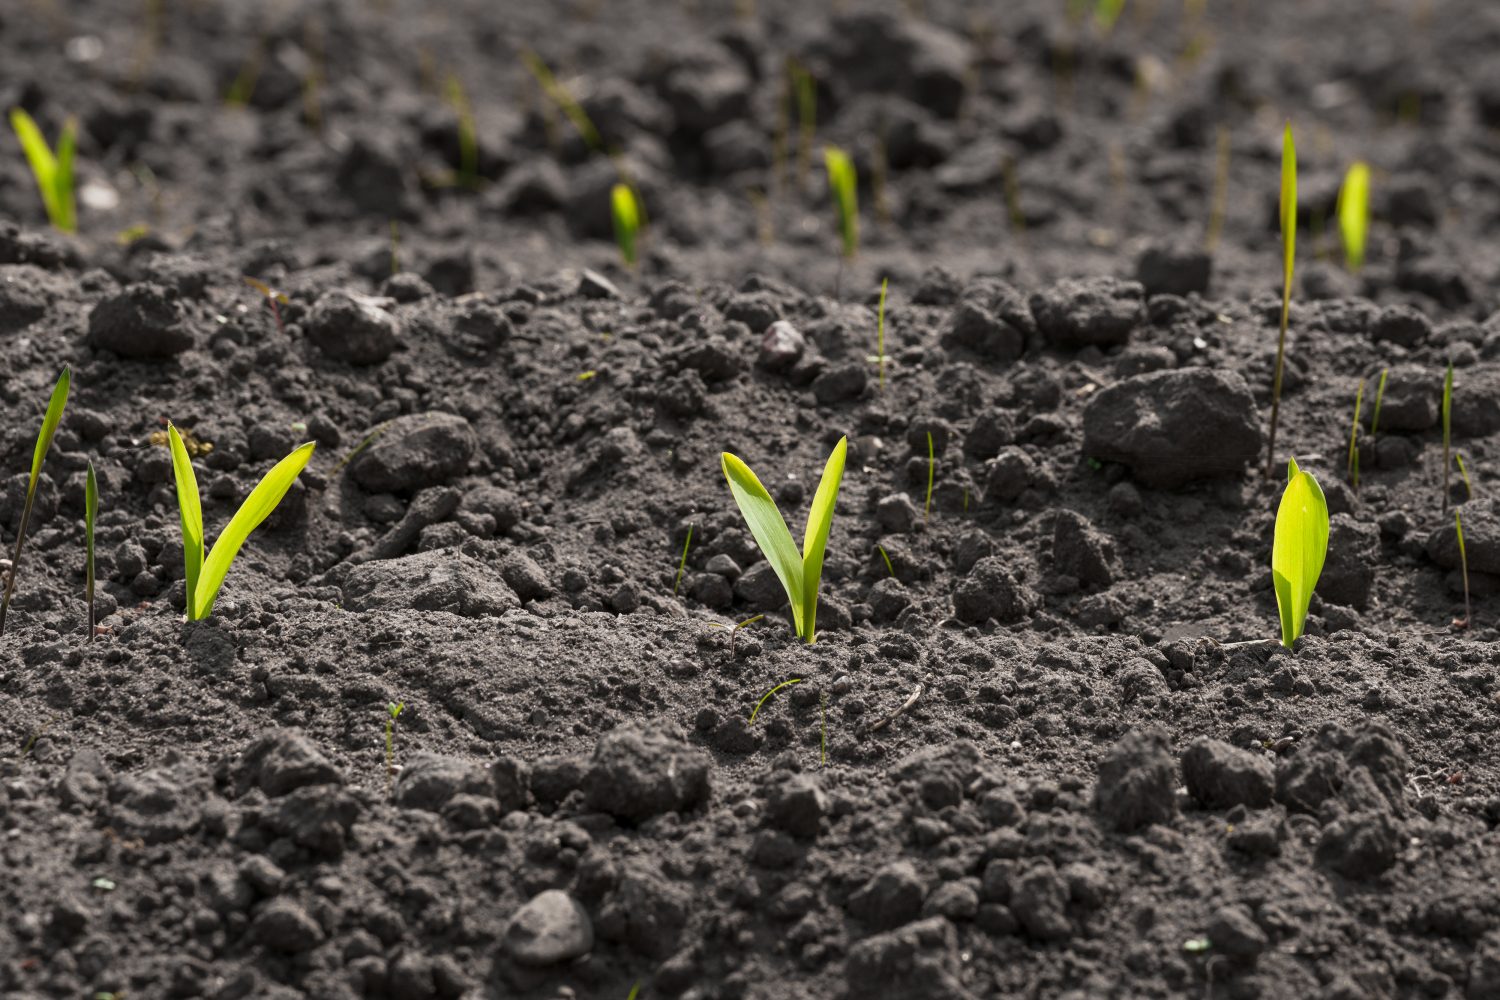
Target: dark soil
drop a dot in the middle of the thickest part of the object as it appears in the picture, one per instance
(1102, 783)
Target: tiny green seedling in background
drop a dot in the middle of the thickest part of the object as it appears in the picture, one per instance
(1106, 13)
(1353, 464)
(206, 576)
(682, 563)
(53, 171)
(1463, 472)
(879, 358)
(1379, 398)
(931, 471)
(1354, 213)
(90, 518)
(1447, 430)
(767, 695)
(800, 573)
(626, 209)
(468, 133)
(55, 406)
(274, 299)
(560, 96)
(883, 555)
(1288, 215)
(843, 184)
(1463, 558)
(393, 710)
(1298, 550)
(806, 92)
(734, 630)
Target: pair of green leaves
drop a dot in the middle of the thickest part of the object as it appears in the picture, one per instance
(1299, 549)
(206, 576)
(50, 420)
(53, 171)
(800, 573)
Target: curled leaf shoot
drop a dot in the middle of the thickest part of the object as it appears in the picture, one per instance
(625, 207)
(1354, 213)
(1298, 550)
(682, 563)
(1463, 558)
(90, 518)
(931, 471)
(1447, 430)
(843, 183)
(800, 573)
(767, 695)
(52, 170)
(55, 406)
(1353, 463)
(1288, 214)
(1379, 398)
(205, 576)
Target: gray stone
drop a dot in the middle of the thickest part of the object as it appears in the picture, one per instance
(917, 962)
(1137, 782)
(1084, 312)
(990, 590)
(893, 896)
(638, 772)
(1173, 269)
(1235, 933)
(442, 580)
(428, 781)
(282, 761)
(781, 347)
(1039, 899)
(143, 322)
(1401, 325)
(840, 384)
(1174, 427)
(1481, 520)
(417, 450)
(282, 925)
(553, 927)
(1221, 776)
(353, 328)
(974, 328)
(1081, 551)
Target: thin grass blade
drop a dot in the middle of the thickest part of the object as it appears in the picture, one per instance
(66, 218)
(1288, 207)
(815, 539)
(190, 513)
(769, 530)
(256, 508)
(38, 156)
(55, 406)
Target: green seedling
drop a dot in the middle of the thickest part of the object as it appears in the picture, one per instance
(1463, 472)
(1219, 200)
(1379, 398)
(931, 470)
(1353, 464)
(90, 518)
(369, 440)
(800, 573)
(879, 358)
(393, 710)
(1106, 13)
(682, 563)
(843, 183)
(1298, 550)
(53, 171)
(883, 555)
(1288, 258)
(1447, 429)
(50, 420)
(1463, 558)
(626, 209)
(734, 630)
(243, 87)
(765, 697)
(274, 299)
(563, 99)
(635, 991)
(468, 133)
(1354, 213)
(806, 91)
(206, 576)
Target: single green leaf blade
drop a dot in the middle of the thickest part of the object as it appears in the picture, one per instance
(55, 406)
(190, 513)
(38, 155)
(627, 220)
(256, 508)
(815, 538)
(843, 181)
(769, 529)
(1354, 213)
(66, 218)
(1298, 550)
(1288, 206)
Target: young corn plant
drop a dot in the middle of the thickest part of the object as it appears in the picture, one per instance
(53, 171)
(1447, 430)
(1288, 255)
(1353, 463)
(90, 518)
(843, 183)
(393, 710)
(206, 576)
(800, 573)
(1463, 559)
(50, 420)
(626, 208)
(1354, 213)
(1298, 550)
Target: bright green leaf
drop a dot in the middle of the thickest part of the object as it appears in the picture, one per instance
(769, 529)
(815, 538)
(55, 406)
(190, 513)
(1298, 550)
(53, 173)
(1288, 212)
(1354, 213)
(627, 217)
(843, 181)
